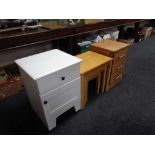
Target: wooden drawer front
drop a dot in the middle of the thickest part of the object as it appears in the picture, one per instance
(117, 69)
(120, 61)
(115, 78)
(102, 51)
(58, 78)
(120, 56)
(61, 96)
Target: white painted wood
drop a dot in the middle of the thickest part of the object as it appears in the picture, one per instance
(61, 95)
(40, 65)
(53, 116)
(42, 75)
(53, 81)
(33, 94)
(61, 100)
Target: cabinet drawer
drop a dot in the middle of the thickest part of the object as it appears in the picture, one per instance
(58, 78)
(117, 69)
(61, 96)
(115, 78)
(120, 56)
(120, 61)
(101, 51)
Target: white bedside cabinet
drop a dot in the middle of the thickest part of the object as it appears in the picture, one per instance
(52, 81)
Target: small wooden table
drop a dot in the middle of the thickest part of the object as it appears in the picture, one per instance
(97, 66)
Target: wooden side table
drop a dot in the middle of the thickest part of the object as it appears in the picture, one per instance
(97, 66)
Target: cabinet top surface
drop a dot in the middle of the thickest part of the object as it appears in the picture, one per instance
(111, 45)
(42, 64)
(92, 60)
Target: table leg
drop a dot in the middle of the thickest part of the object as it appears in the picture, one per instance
(98, 82)
(84, 91)
(103, 80)
(108, 76)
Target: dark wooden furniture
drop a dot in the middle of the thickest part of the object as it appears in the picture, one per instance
(15, 39)
(17, 43)
(116, 50)
(19, 39)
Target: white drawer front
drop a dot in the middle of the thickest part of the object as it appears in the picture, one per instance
(58, 78)
(63, 95)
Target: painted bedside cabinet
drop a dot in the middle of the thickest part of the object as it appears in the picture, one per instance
(52, 80)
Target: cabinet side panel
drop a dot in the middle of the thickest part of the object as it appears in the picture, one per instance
(33, 94)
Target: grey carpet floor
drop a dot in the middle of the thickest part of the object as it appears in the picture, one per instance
(128, 108)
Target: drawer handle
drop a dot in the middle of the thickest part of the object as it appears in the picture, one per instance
(119, 67)
(62, 78)
(118, 76)
(122, 56)
(45, 102)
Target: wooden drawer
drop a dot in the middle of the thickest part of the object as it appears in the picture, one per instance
(101, 51)
(117, 69)
(120, 61)
(58, 78)
(120, 56)
(114, 79)
(61, 96)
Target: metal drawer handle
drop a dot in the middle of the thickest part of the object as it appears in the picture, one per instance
(119, 67)
(122, 56)
(62, 78)
(45, 102)
(118, 76)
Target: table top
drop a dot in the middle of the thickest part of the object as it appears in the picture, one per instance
(110, 45)
(42, 64)
(92, 60)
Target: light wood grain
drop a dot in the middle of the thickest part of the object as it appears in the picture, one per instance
(91, 60)
(118, 51)
(93, 65)
(111, 45)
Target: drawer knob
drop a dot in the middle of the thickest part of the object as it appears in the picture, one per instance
(63, 78)
(45, 102)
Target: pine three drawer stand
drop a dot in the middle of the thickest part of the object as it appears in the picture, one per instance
(116, 50)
